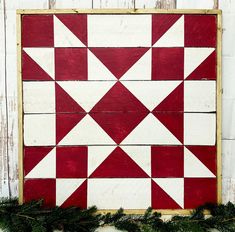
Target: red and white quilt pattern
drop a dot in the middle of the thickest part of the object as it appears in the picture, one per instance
(120, 110)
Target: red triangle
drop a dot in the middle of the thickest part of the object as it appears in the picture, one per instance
(78, 198)
(118, 165)
(33, 155)
(119, 60)
(65, 123)
(76, 23)
(161, 23)
(65, 103)
(174, 101)
(206, 154)
(32, 71)
(173, 121)
(206, 70)
(161, 200)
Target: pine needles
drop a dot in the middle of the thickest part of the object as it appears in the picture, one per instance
(33, 217)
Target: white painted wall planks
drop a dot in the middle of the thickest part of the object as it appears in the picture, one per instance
(8, 78)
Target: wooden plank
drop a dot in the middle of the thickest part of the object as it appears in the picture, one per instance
(118, 11)
(219, 109)
(192, 4)
(160, 4)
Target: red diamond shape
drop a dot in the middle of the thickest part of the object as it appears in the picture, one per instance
(119, 112)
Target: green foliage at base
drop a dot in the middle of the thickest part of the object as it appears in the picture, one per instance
(32, 217)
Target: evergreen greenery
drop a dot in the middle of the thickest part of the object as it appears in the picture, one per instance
(33, 217)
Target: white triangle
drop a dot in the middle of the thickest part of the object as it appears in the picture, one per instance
(141, 70)
(46, 168)
(193, 57)
(96, 155)
(193, 167)
(174, 37)
(151, 93)
(174, 187)
(44, 57)
(65, 188)
(141, 155)
(87, 132)
(86, 93)
(97, 70)
(150, 131)
(63, 37)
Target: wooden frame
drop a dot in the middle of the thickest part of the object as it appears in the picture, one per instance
(127, 11)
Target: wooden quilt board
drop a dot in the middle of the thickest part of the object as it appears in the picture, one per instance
(120, 108)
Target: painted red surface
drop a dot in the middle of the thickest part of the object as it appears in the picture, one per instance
(167, 161)
(198, 191)
(70, 64)
(118, 165)
(37, 189)
(200, 31)
(37, 31)
(167, 63)
(71, 162)
(119, 60)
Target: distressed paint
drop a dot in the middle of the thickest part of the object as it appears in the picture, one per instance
(228, 10)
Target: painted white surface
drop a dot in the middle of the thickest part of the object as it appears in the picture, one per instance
(199, 129)
(193, 57)
(151, 93)
(141, 70)
(192, 4)
(44, 57)
(39, 97)
(150, 131)
(174, 187)
(63, 37)
(87, 132)
(46, 168)
(174, 37)
(65, 188)
(39, 129)
(193, 167)
(97, 70)
(86, 93)
(199, 96)
(134, 193)
(119, 31)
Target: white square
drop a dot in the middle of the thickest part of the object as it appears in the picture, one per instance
(119, 30)
(199, 129)
(39, 97)
(199, 96)
(134, 193)
(39, 129)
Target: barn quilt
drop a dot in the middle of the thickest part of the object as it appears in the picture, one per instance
(119, 109)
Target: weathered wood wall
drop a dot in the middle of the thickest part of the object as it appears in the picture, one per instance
(8, 78)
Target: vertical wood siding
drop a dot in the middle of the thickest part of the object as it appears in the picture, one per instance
(8, 78)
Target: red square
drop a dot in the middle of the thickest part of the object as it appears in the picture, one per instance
(198, 191)
(167, 63)
(167, 161)
(37, 31)
(70, 64)
(37, 189)
(200, 31)
(71, 162)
